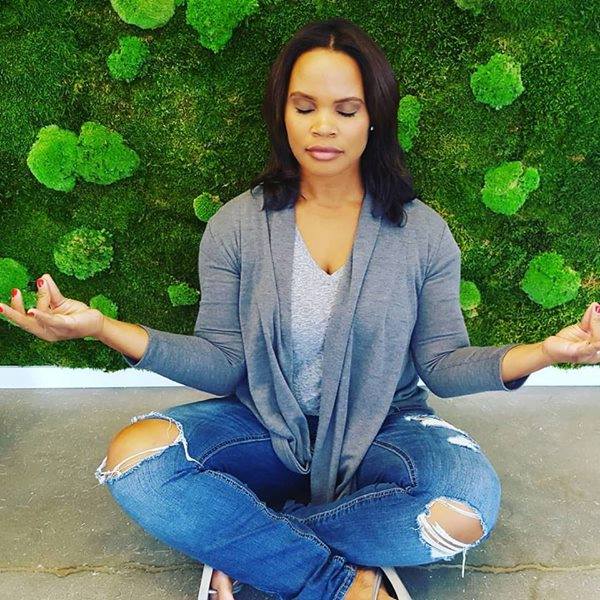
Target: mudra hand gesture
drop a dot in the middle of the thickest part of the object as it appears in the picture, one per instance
(55, 317)
(578, 343)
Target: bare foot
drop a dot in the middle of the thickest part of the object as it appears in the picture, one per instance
(362, 586)
(221, 582)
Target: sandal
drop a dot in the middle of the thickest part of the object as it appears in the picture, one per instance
(401, 593)
(206, 592)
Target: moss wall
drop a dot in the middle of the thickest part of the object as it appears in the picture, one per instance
(190, 109)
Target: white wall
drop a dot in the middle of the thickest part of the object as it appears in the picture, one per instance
(60, 377)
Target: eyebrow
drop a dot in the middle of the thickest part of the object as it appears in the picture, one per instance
(294, 94)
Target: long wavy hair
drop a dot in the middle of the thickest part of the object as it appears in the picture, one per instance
(382, 164)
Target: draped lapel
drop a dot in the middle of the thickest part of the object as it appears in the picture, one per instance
(282, 229)
(374, 305)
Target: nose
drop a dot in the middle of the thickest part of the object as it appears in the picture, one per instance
(323, 128)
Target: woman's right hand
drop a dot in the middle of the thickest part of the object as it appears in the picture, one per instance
(55, 317)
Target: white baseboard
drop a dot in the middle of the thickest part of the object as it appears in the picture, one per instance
(61, 377)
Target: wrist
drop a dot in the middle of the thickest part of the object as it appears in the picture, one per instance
(99, 335)
(549, 360)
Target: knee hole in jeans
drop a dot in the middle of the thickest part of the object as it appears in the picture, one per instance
(450, 527)
(137, 440)
(140, 442)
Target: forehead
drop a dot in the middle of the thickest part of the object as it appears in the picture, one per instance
(326, 75)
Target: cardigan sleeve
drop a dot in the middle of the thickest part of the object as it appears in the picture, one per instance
(211, 360)
(440, 347)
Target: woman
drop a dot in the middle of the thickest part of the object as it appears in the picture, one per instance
(322, 460)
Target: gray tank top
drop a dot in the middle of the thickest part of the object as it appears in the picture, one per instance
(313, 294)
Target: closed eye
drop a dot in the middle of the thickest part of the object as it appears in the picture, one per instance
(303, 112)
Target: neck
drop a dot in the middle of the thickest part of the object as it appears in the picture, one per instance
(329, 196)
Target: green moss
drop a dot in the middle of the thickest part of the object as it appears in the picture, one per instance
(475, 6)
(129, 61)
(83, 252)
(507, 186)
(15, 275)
(206, 205)
(102, 156)
(12, 275)
(105, 305)
(53, 158)
(182, 294)
(122, 202)
(38, 63)
(194, 119)
(549, 282)
(409, 111)
(147, 14)
(215, 20)
(470, 297)
(98, 156)
(498, 82)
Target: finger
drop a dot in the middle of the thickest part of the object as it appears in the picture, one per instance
(43, 295)
(49, 324)
(586, 320)
(22, 320)
(46, 319)
(56, 298)
(17, 301)
(595, 321)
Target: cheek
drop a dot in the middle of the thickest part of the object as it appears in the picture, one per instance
(294, 128)
(360, 138)
(358, 130)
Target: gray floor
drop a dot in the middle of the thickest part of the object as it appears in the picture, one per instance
(63, 537)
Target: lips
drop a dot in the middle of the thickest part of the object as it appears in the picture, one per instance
(323, 149)
(324, 155)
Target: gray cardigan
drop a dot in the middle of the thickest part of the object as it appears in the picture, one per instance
(397, 317)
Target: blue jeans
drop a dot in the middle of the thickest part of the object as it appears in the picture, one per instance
(220, 495)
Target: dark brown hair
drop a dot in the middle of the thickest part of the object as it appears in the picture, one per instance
(382, 162)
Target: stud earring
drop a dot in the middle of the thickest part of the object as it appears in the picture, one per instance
(372, 127)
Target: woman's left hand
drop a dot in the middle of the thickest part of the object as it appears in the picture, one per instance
(579, 343)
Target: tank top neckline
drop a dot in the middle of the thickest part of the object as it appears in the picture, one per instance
(313, 262)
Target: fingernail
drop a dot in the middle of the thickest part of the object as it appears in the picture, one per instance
(15, 291)
(40, 282)
(1, 309)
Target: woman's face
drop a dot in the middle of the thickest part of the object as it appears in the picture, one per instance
(330, 77)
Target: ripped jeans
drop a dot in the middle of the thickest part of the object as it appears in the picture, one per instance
(219, 494)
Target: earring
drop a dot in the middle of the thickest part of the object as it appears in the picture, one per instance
(372, 128)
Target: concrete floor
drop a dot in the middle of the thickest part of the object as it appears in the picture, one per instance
(63, 536)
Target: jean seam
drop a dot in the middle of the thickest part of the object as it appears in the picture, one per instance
(271, 513)
(274, 515)
(403, 456)
(229, 443)
(351, 503)
(347, 583)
